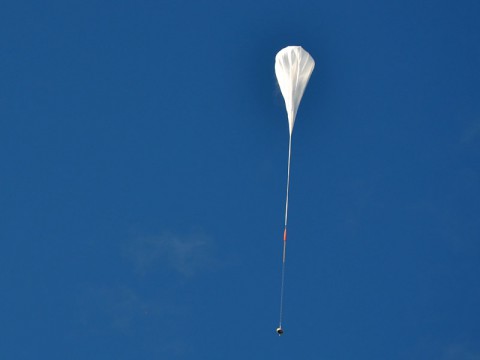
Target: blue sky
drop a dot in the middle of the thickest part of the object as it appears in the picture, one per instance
(143, 152)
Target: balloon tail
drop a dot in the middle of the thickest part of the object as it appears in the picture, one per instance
(283, 283)
(285, 234)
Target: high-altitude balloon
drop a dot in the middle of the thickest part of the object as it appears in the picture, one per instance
(293, 67)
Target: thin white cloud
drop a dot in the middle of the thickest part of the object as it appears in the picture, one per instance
(122, 305)
(460, 352)
(185, 254)
(120, 309)
(110, 307)
(472, 134)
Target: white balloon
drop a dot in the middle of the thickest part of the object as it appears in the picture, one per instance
(293, 67)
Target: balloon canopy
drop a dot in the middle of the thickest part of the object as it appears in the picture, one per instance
(293, 67)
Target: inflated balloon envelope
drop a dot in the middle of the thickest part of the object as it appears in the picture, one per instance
(293, 67)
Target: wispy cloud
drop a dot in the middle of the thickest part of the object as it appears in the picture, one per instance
(185, 254)
(137, 299)
(460, 352)
(472, 134)
(102, 308)
(112, 310)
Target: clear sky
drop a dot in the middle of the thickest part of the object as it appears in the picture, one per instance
(143, 158)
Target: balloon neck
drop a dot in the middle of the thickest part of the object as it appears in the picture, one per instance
(291, 120)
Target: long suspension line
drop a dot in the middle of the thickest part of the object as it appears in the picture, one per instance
(280, 330)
